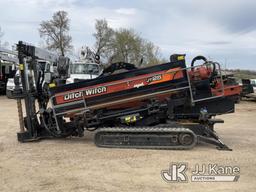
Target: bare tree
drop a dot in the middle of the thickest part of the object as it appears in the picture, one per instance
(104, 36)
(56, 32)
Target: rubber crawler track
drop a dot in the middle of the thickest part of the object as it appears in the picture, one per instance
(144, 138)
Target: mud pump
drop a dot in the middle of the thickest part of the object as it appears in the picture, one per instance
(165, 106)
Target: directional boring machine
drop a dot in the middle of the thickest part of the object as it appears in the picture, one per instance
(165, 106)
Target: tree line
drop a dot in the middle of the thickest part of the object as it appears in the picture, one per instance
(112, 45)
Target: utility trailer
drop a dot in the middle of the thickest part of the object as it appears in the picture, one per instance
(166, 106)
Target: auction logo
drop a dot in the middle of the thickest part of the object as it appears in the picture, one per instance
(175, 173)
(201, 173)
(215, 173)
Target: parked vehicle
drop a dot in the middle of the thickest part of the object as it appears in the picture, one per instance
(8, 62)
(48, 68)
(88, 67)
(253, 83)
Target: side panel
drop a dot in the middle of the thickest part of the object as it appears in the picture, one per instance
(120, 86)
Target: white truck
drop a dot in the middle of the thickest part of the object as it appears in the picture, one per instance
(49, 68)
(8, 62)
(253, 83)
(88, 67)
(83, 71)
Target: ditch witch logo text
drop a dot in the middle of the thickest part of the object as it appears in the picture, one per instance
(177, 172)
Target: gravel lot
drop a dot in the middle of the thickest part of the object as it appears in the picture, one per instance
(77, 165)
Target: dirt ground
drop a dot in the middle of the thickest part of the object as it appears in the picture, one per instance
(78, 165)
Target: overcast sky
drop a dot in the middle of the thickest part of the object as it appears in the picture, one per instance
(222, 30)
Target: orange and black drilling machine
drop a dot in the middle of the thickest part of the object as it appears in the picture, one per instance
(165, 106)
